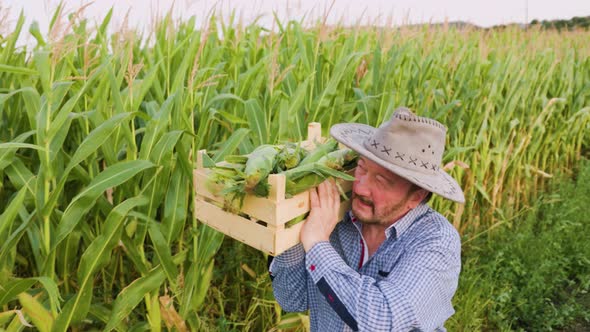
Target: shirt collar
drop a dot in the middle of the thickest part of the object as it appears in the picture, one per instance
(400, 226)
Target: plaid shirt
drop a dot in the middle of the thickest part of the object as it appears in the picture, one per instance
(406, 285)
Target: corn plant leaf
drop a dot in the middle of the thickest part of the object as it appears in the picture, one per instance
(204, 281)
(231, 144)
(58, 93)
(52, 291)
(38, 314)
(43, 65)
(89, 145)
(102, 29)
(208, 162)
(9, 215)
(155, 128)
(157, 179)
(133, 253)
(8, 49)
(208, 242)
(96, 256)
(7, 154)
(20, 176)
(64, 113)
(96, 138)
(288, 111)
(222, 97)
(145, 85)
(11, 145)
(17, 70)
(163, 252)
(10, 243)
(6, 316)
(102, 314)
(32, 101)
(257, 121)
(10, 289)
(175, 206)
(132, 295)
(83, 202)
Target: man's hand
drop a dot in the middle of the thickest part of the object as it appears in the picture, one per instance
(323, 216)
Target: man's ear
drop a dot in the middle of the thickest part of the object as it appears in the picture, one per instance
(417, 197)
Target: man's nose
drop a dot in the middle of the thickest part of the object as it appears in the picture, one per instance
(361, 186)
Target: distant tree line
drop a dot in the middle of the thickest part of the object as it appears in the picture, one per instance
(571, 24)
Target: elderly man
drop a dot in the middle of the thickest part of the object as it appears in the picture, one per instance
(393, 263)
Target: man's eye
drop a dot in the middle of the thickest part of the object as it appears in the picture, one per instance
(383, 181)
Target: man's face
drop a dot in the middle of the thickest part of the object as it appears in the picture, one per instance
(378, 195)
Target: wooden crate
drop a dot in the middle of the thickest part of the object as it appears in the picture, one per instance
(261, 221)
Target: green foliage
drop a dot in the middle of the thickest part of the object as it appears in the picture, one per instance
(531, 275)
(91, 120)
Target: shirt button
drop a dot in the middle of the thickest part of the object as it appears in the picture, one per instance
(312, 267)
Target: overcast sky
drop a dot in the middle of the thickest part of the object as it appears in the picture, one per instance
(140, 12)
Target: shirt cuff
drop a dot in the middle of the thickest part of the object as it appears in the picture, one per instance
(321, 259)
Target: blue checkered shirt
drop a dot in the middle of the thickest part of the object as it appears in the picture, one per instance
(407, 285)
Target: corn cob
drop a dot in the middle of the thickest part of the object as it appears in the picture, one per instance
(242, 174)
(289, 157)
(320, 151)
(339, 159)
(236, 159)
(260, 163)
(229, 183)
(307, 176)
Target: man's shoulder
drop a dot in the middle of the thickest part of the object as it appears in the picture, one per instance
(435, 229)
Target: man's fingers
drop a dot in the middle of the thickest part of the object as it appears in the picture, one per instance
(323, 193)
(313, 198)
(332, 192)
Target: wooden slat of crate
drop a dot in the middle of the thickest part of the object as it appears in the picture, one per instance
(267, 238)
(273, 211)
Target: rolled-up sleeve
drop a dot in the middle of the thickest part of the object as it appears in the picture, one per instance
(289, 279)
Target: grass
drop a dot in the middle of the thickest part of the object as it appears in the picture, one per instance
(534, 274)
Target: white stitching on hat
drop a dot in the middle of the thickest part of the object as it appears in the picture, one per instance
(421, 119)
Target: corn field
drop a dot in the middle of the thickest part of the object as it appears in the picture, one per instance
(99, 133)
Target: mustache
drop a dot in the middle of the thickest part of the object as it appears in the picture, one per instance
(363, 199)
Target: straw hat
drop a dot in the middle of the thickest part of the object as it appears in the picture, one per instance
(408, 145)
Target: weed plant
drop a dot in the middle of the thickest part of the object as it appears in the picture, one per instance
(531, 275)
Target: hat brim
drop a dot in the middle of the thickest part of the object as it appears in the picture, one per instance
(440, 182)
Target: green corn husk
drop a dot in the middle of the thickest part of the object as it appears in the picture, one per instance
(233, 196)
(232, 186)
(304, 183)
(296, 220)
(319, 152)
(236, 159)
(339, 159)
(308, 176)
(259, 165)
(290, 157)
